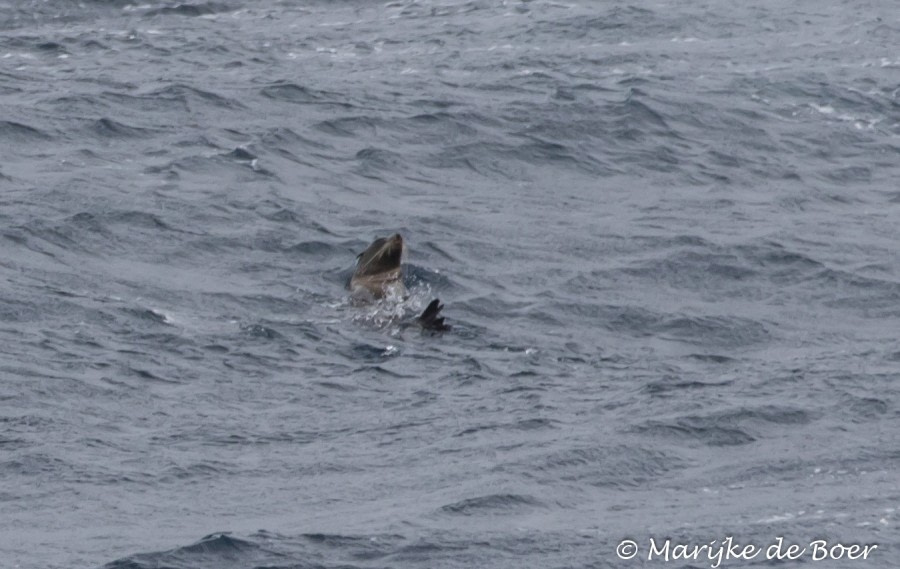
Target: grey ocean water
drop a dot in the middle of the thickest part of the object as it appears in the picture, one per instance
(666, 236)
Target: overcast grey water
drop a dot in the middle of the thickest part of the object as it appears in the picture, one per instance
(665, 234)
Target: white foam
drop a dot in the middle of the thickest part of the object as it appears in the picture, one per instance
(824, 109)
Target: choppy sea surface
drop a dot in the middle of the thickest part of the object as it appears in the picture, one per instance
(666, 235)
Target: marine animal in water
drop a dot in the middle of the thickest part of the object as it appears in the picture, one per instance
(379, 274)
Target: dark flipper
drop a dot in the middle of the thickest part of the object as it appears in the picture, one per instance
(431, 319)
